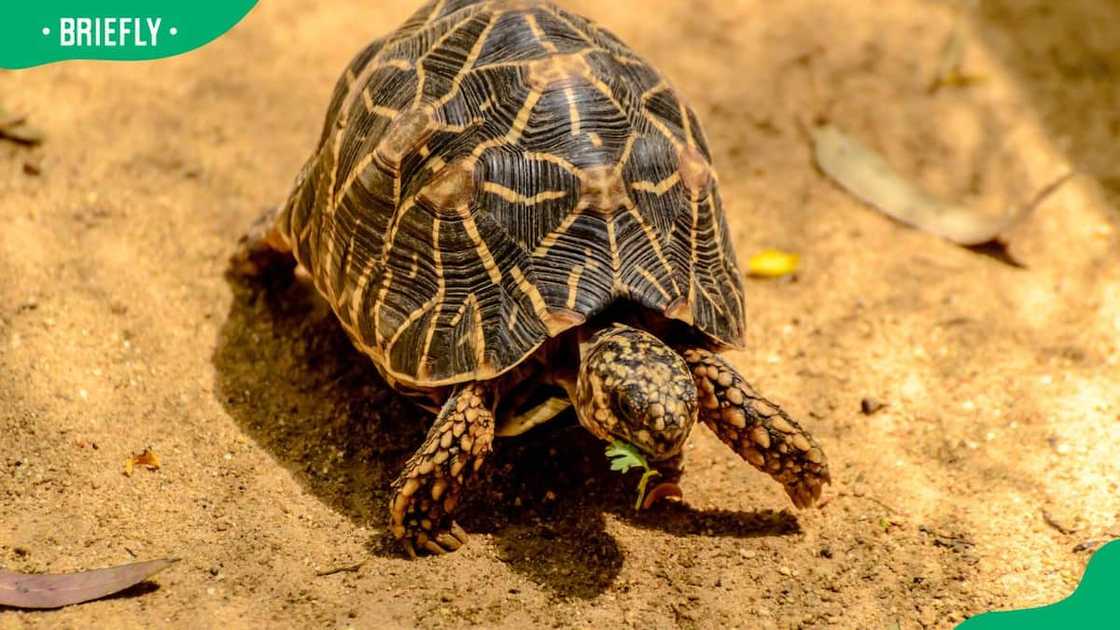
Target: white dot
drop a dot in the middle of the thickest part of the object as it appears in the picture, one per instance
(46, 30)
(174, 31)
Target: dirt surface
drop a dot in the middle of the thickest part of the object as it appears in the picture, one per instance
(991, 468)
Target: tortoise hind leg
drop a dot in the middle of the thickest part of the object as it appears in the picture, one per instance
(263, 248)
(431, 485)
(757, 429)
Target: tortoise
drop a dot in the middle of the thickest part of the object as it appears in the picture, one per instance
(510, 212)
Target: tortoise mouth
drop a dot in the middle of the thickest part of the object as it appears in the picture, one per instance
(654, 450)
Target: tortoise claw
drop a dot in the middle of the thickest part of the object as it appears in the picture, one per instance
(806, 490)
(439, 544)
(459, 533)
(450, 541)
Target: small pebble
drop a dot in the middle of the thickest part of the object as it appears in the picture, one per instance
(870, 405)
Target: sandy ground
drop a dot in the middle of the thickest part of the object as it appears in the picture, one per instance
(118, 331)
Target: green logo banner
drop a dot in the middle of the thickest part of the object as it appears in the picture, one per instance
(1095, 603)
(35, 32)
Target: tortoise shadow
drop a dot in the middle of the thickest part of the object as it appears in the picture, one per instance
(289, 376)
(547, 499)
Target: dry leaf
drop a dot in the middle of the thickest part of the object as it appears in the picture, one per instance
(21, 590)
(949, 72)
(16, 129)
(148, 459)
(865, 174)
(772, 263)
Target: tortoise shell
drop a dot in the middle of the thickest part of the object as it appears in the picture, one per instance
(496, 172)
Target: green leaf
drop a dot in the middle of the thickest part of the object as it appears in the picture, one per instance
(625, 456)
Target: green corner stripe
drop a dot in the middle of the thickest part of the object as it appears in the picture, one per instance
(1094, 604)
(35, 32)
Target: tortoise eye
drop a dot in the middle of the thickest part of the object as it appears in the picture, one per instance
(627, 406)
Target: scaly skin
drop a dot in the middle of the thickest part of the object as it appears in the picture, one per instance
(262, 248)
(633, 387)
(757, 429)
(429, 488)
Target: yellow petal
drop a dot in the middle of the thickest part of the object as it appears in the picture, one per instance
(772, 263)
(148, 459)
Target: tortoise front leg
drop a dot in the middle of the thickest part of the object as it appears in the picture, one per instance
(757, 429)
(431, 485)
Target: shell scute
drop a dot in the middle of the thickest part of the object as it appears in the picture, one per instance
(496, 172)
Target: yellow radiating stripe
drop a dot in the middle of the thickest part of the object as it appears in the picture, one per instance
(658, 188)
(554, 159)
(434, 15)
(616, 263)
(531, 20)
(531, 291)
(483, 251)
(479, 335)
(627, 149)
(513, 196)
(665, 131)
(441, 287)
(472, 57)
(650, 278)
(555, 11)
(523, 117)
(651, 236)
(548, 241)
(409, 321)
(421, 74)
(382, 291)
(659, 87)
(605, 90)
(573, 110)
(381, 110)
(573, 285)
(359, 290)
(686, 124)
(694, 203)
(354, 174)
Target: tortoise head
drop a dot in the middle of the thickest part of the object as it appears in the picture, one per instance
(633, 387)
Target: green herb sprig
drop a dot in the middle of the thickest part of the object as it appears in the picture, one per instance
(625, 456)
